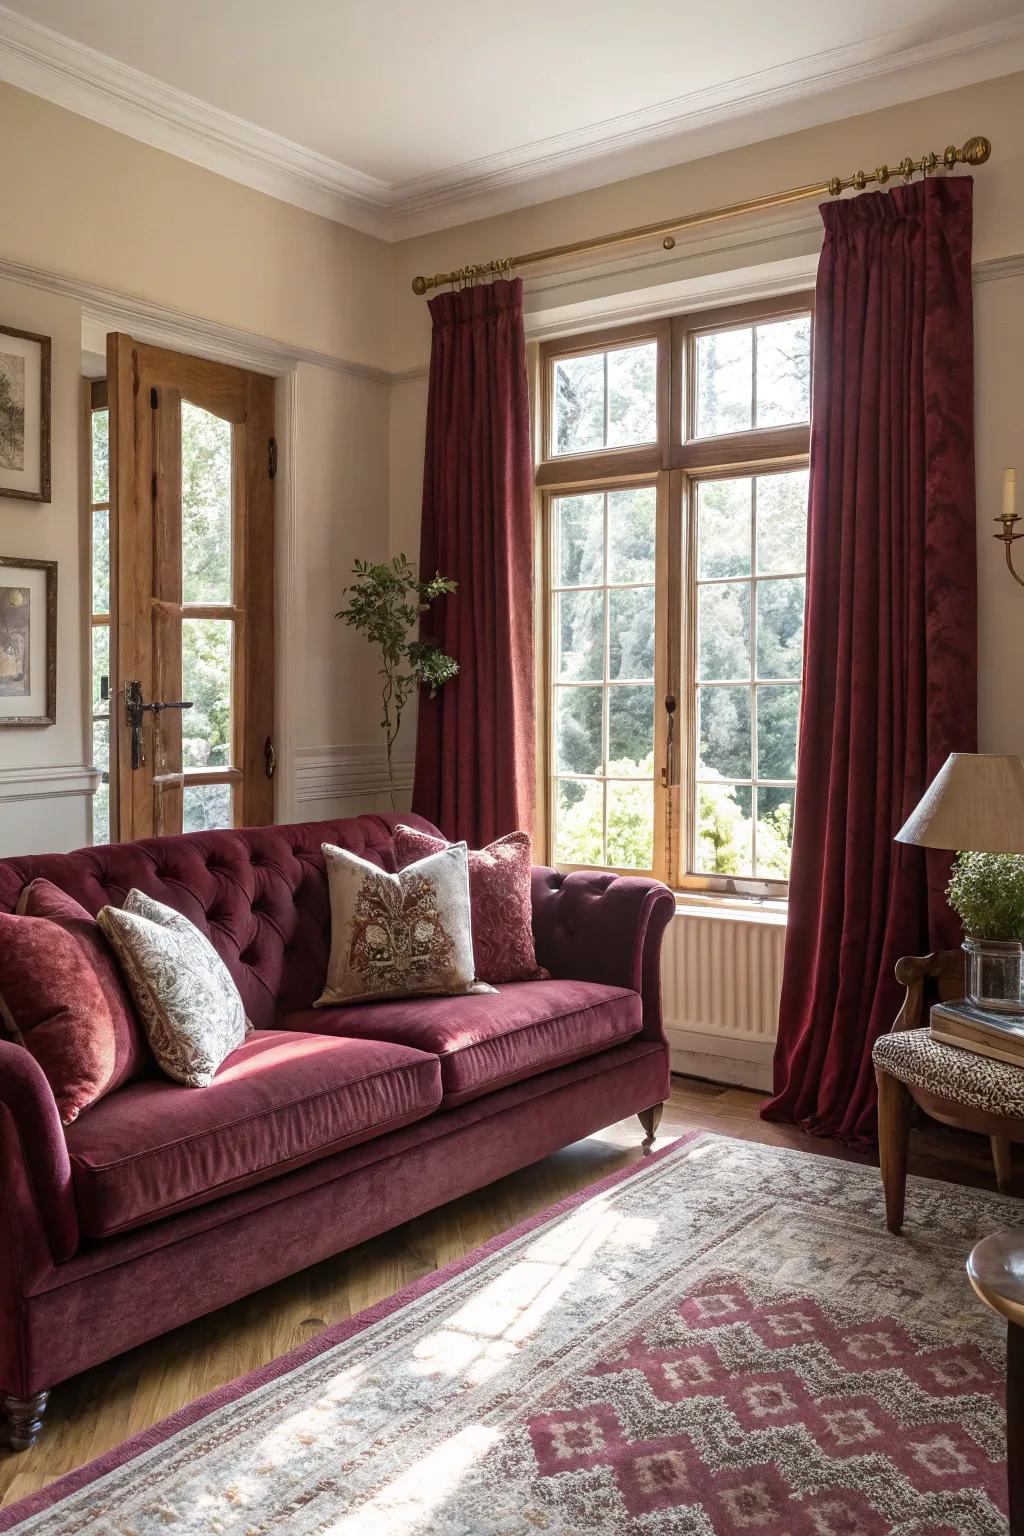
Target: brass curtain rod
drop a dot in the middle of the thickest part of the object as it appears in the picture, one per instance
(975, 152)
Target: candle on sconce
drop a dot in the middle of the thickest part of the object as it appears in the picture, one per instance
(1009, 493)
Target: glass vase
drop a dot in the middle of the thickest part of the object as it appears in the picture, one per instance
(995, 974)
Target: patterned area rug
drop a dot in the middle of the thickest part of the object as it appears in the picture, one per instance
(723, 1342)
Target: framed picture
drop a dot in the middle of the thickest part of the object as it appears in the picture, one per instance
(24, 415)
(28, 641)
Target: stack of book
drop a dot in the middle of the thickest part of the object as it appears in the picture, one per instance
(974, 1029)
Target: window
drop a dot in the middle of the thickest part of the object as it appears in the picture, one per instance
(674, 489)
(99, 631)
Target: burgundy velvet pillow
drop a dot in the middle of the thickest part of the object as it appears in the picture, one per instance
(62, 996)
(499, 899)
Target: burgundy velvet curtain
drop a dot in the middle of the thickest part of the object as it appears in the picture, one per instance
(890, 662)
(475, 743)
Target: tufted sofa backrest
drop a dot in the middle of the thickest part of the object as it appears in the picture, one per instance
(259, 894)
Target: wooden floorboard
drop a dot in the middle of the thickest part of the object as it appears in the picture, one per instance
(96, 1411)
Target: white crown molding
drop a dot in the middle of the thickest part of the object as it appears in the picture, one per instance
(350, 772)
(999, 267)
(49, 782)
(805, 92)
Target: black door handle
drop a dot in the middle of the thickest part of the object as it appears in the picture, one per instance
(135, 708)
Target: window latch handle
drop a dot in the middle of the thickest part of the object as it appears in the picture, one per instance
(670, 739)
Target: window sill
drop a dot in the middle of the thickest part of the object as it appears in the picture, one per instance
(738, 909)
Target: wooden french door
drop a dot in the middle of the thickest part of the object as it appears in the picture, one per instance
(192, 544)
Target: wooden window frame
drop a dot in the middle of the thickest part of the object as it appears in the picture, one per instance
(675, 464)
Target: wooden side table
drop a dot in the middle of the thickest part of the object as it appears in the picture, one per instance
(996, 1270)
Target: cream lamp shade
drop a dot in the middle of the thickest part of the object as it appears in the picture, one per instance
(975, 804)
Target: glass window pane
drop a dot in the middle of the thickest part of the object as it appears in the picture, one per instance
(580, 536)
(100, 668)
(632, 517)
(724, 827)
(206, 680)
(631, 825)
(205, 506)
(780, 627)
(579, 403)
(206, 807)
(101, 799)
(725, 383)
(578, 745)
(631, 632)
(101, 455)
(579, 823)
(631, 731)
(723, 527)
(723, 733)
(723, 631)
(101, 560)
(633, 395)
(774, 832)
(778, 711)
(784, 372)
(782, 522)
(581, 636)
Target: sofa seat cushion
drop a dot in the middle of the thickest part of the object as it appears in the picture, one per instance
(282, 1099)
(485, 1041)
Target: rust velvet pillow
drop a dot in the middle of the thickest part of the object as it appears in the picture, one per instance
(62, 997)
(500, 903)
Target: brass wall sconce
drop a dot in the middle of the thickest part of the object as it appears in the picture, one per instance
(1009, 519)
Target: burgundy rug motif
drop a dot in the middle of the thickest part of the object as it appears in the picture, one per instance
(723, 1342)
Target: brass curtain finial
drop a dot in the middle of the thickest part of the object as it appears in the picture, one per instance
(974, 152)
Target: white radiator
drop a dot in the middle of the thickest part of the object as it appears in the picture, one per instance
(721, 977)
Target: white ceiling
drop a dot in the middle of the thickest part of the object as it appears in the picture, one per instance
(396, 115)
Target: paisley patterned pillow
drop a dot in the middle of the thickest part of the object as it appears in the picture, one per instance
(398, 935)
(500, 898)
(189, 1005)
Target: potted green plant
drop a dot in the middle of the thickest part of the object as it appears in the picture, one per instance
(385, 603)
(987, 892)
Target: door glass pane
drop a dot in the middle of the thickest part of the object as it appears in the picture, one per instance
(784, 372)
(206, 807)
(101, 799)
(206, 680)
(631, 632)
(205, 506)
(725, 383)
(579, 822)
(631, 533)
(100, 668)
(100, 455)
(631, 731)
(100, 560)
(724, 828)
(780, 627)
(631, 825)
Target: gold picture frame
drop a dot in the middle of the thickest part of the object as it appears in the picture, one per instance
(28, 641)
(24, 415)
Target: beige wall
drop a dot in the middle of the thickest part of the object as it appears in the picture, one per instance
(995, 108)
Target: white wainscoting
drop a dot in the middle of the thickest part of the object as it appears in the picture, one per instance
(45, 809)
(345, 780)
(721, 977)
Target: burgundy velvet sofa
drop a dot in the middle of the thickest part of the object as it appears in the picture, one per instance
(161, 1203)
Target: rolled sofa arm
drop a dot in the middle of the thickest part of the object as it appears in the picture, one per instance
(594, 926)
(37, 1173)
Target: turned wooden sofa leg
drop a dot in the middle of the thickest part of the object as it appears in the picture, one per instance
(893, 1140)
(1002, 1157)
(24, 1420)
(650, 1119)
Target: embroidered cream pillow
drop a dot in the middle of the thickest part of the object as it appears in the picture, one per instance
(188, 1003)
(398, 935)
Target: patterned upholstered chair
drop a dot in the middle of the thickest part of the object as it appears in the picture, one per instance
(956, 1087)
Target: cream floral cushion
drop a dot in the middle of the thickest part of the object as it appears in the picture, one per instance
(189, 1005)
(977, 1082)
(398, 935)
